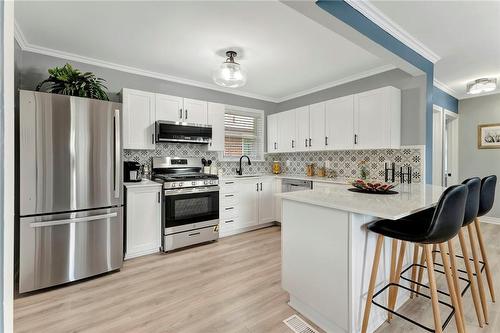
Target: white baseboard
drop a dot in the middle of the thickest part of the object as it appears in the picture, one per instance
(490, 219)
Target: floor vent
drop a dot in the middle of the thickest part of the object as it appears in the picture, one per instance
(298, 325)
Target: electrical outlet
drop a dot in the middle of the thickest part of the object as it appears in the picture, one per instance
(288, 163)
(328, 164)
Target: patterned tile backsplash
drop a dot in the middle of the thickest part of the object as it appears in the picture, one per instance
(345, 163)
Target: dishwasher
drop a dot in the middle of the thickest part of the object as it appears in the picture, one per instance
(292, 185)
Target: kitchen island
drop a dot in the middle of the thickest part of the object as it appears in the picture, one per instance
(327, 252)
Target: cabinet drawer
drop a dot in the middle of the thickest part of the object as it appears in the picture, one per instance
(229, 212)
(228, 186)
(229, 199)
(228, 223)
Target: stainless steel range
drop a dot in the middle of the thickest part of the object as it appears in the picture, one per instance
(190, 213)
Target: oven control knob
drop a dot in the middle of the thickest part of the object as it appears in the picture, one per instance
(206, 182)
(193, 183)
(180, 184)
(172, 185)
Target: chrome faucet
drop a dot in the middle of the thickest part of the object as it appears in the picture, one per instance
(240, 170)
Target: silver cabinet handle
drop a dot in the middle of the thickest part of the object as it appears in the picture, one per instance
(73, 220)
(306, 142)
(229, 195)
(229, 182)
(326, 141)
(229, 221)
(153, 138)
(180, 113)
(186, 112)
(275, 146)
(194, 234)
(229, 208)
(159, 199)
(118, 154)
(293, 143)
(310, 142)
(257, 187)
(261, 186)
(355, 139)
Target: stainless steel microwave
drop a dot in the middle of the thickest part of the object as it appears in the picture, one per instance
(171, 131)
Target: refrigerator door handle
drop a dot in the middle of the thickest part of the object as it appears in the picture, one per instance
(74, 220)
(117, 154)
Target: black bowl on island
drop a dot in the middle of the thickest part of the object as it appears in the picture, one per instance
(372, 187)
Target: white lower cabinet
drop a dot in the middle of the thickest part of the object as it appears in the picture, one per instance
(143, 220)
(246, 203)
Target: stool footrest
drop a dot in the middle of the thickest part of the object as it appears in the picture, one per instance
(462, 257)
(446, 322)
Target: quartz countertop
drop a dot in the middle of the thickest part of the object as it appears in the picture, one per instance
(416, 198)
(143, 183)
(283, 176)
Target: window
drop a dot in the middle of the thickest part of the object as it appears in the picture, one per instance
(243, 133)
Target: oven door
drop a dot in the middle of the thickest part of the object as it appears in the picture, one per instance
(190, 208)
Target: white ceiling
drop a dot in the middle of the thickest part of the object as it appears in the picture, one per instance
(285, 53)
(464, 34)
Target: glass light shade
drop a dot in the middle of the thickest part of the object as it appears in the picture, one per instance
(481, 86)
(230, 74)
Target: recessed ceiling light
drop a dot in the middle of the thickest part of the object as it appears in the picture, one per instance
(230, 74)
(481, 86)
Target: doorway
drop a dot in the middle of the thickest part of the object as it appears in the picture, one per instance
(445, 147)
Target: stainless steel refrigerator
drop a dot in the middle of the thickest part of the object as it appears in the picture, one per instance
(70, 188)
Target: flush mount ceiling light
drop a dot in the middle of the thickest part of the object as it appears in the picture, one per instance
(230, 74)
(481, 86)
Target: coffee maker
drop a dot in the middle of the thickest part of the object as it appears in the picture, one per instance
(132, 172)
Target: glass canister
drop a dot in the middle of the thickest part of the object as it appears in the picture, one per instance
(276, 167)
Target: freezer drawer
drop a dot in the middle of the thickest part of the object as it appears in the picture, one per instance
(60, 248)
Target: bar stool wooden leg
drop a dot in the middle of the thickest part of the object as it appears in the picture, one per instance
(477, 224)
(477, 268)
(432, 286)
(456, 281)
(416, 250)
(394, 252)
(399, 268)
(373, 280)
(470, 276)
(451, 288)
(421, 269)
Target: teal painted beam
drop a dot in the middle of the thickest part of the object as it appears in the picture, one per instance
(350, 16)
(444, 100)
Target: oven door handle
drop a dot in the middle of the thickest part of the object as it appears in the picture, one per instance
(192, 190)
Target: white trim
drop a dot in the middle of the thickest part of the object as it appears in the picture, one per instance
(445, 88)
(8, 167)
(331, 84)
(490, 219)
(19, 36)
(380, 19)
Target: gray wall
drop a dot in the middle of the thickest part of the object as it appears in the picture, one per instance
(412, 98)
(34, 69)
(473, 161)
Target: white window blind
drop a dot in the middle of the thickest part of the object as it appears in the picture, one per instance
(244, 134)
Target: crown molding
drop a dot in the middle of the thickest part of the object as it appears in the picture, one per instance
(380, 19)
(446, 89)
(19, 36)
(331, 84)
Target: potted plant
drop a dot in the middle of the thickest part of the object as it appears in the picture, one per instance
(67, 80)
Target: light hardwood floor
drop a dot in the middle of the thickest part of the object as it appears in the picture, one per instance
(233, 285)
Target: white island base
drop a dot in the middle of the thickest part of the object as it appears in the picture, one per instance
(327, 257)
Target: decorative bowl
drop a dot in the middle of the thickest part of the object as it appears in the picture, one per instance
(372, 187)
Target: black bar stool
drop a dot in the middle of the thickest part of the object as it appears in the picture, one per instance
(444, 225)
(488, 185)
(470, 214)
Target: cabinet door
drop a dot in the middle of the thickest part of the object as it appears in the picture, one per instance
(143, 224)
(215, 117)
(272, 133)
(317, 126)
(339, 120)
(168, 108)
(138, 119)
(249, 202)
(372, 120)
(286, 131)
(266, 200)
(302, 129)
(195, 111)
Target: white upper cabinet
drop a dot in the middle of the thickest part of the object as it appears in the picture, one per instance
(287, 131)
(317, 137)
(302, 129)
(377, 119)
(169, 108)
(195, 111)
(339, 120)
(138, 119)
(215, 117)
(272, 133)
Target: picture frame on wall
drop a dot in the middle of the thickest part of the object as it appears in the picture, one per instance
(488, 136)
